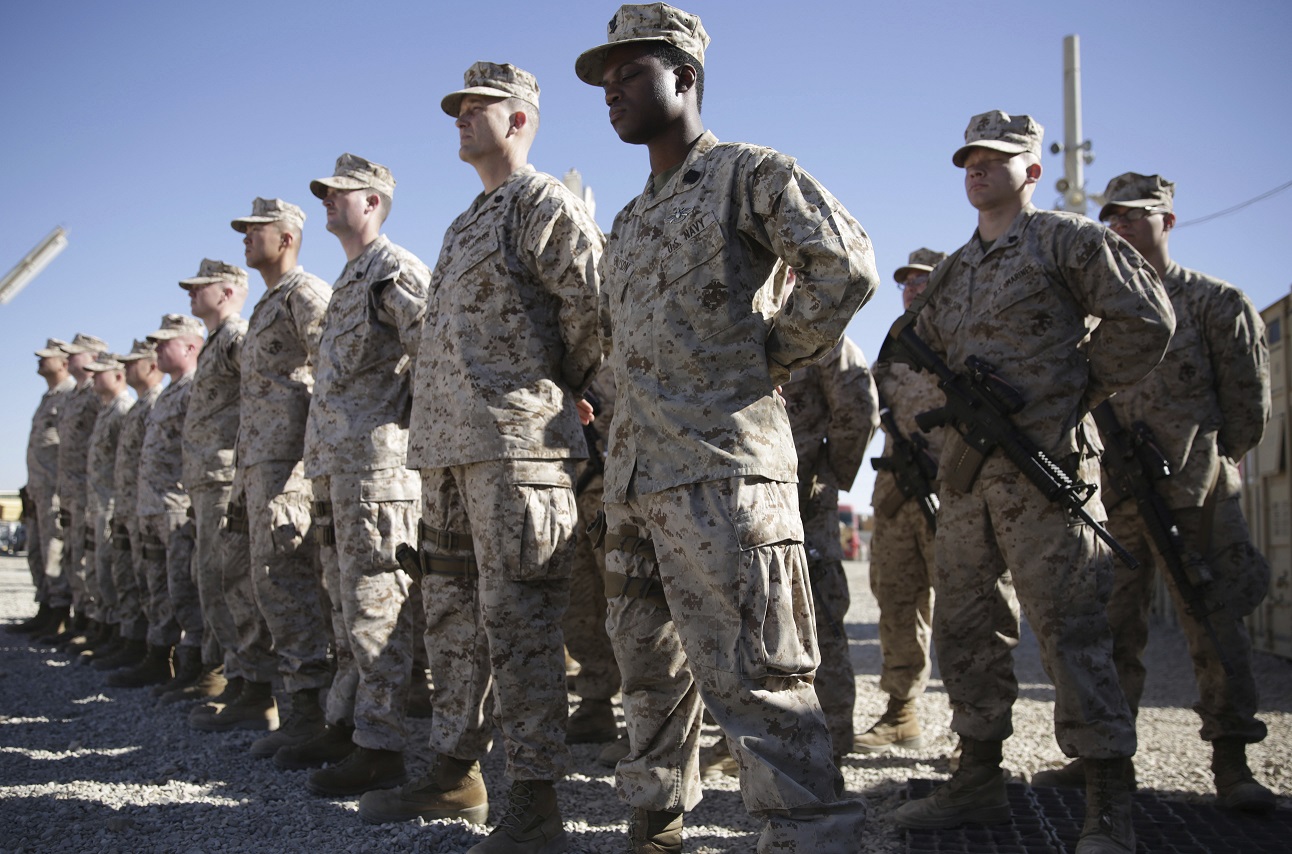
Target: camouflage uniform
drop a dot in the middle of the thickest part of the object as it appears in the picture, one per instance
(702, 463)
(235, 632)
(1207, 404)
(75, 423)
(356, 440)
(833, 411)
(128, 578)
(165, 530)
(42, 485)
(278, 355)
(584, 624)
(1069, 314)
(901, 547)
(495, 434)
(100, 506)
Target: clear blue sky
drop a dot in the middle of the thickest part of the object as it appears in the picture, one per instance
(143, 128)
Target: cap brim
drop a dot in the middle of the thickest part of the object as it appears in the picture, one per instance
(452, 102)
(903, 272)
(319, 186)
(199, 281)
(994, 144)
(73, 350)
(240, 224)
(1131, 203)
(590, 65)
(135, 357)
(99, 369)
(49, 354)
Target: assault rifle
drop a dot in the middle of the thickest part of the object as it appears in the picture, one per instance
(1133, 464)
(912, 466)
(979, 406)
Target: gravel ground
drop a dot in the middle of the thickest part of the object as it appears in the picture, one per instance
(88, 768)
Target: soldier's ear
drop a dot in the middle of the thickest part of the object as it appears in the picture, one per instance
(1168, 221)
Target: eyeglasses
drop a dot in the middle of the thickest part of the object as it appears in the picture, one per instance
(1132, 215)
(914, 282)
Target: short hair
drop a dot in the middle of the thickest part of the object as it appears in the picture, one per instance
(384, 203)
(671, 56)
(520, 105)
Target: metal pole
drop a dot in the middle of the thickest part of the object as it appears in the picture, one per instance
(1074, 193)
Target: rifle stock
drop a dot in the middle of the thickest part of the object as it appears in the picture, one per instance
(912, 467)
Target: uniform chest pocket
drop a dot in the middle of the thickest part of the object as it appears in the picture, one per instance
(1025, 288)
(470, 253)
(695, 278)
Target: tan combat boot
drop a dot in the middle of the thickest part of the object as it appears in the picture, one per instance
(655, 832)
(453, 788)
(1108, 828)
(531, 825)
(364, 770)
(974, 794)
(153, 670)
(254, 708)
(593, 722)
(717, 762)
(899, 726)
(1236, 788)
(210, 683)
(304, 721)
(333, 744)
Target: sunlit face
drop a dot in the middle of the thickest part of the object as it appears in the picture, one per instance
(108, 382)
(640, 92)
(994, 178)
(482, 125)
(346, 209)
(171, 354)
(51, 366)
(1145, 232)
(76, 364)
(204, 300)
(262, 244)
(137, 370)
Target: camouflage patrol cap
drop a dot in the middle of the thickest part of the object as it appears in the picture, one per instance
(270, 210)
(921, 261)
(1133, 190)
(650, 22)
(1000, 132)
(145, 349)
(209, 272)
(106, 362)
(53, 347)
(491, 80)
(354, 173)
(85, 344)
(177, 326)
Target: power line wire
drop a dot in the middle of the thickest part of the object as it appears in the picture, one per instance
(1236, 207)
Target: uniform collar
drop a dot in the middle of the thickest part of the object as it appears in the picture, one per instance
(975, 254)
(488, 201)
(687, 176)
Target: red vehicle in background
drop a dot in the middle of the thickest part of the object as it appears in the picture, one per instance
(849, 532)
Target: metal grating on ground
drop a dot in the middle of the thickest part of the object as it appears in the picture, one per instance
(1048, 821)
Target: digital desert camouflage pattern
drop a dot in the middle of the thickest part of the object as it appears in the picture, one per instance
(511, 332)
(128, 580)
(999, 131)
(209, 272)
(692, 287)
(1210, 395)
(172, 608)
(42, 444)
(1066, 311)
(738, 632)
(500, 630)
(211, 423)
(270, 210)
(492, 80)
(901, 546)
(101, 473)
(161, 458)
(130, 444)
(584, 623)
(644, 22)
(833, 412)
(75, 423)
(906, 392)
(42, 484)
(1068, 314)
(353, 172)
(358, 418)
(920, 261)
(278, 357)
(1207, 404)
(1133, 190)
(285, 570)
(1227, 704)
(372, 512)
